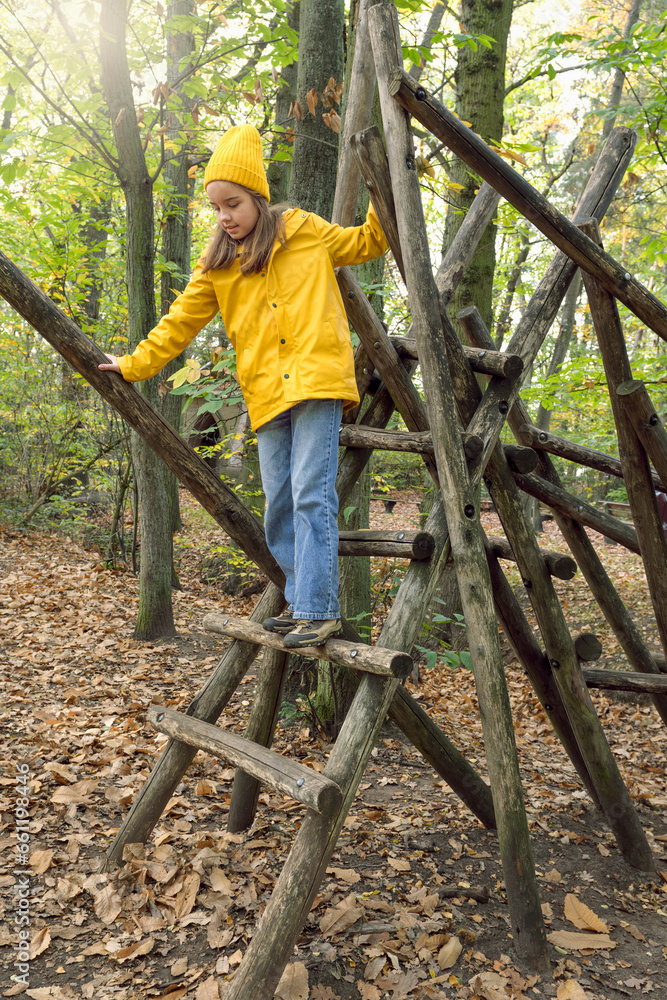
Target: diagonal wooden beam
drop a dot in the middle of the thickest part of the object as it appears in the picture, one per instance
(458, 497)
(84, 356)
(528, 200)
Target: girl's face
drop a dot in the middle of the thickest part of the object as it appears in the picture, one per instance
(234, 208)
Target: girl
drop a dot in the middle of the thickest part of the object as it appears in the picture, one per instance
(270, 273)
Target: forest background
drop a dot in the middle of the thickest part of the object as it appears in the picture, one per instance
(110, 112)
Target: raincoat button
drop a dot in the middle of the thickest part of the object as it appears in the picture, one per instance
(274, 305)
(303, 215)
(286, 376)
(282, 341)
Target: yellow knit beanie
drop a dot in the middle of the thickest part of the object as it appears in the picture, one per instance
(238, 158)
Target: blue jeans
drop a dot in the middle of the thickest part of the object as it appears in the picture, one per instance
(298, 459)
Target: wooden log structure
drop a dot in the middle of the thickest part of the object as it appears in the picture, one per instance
(611, 791)
(456, 489)
(260, 729)
(562, 502)
(412, 96)
(399, 544)
(533, 437)
(568, 512)
(636, 469)
(484, 362)
(625, 680)
(282, 773)
(540, 313)
(356, 656)
(560, 565)
(588, 647)
(418, 442)
(636, 403)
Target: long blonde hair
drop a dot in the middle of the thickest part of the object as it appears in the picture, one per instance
(257, 246)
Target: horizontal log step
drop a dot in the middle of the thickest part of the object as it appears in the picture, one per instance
(625, 680)
(282, 773)
(357, 656)
(485, 362)
(402, 544)
(562, 566)
(418, 442)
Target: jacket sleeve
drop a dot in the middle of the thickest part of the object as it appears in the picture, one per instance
(190, 312)
(352, 244)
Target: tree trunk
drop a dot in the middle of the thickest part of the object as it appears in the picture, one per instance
(155, 614)
(315, 157)
(278, 171)
(480, 95)
(177, 228)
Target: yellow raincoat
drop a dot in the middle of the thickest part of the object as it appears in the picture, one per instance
(287, 324)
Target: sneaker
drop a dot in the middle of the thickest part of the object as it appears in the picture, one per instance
(283, 623)
(312, 633)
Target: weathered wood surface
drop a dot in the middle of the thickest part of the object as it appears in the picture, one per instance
(535, 662)
(626, 631)
(533, 437)
(484, 362)
(420, 442)
(458, 497)
(455, 262)
(611, 791)
(588, 646)
(636, 403)
(273, 769)
(634, 461)
(358, 108)
(368, 149)
(175, 759)
(528, 200)
(520, 459)
(562, 502)
(540, 313)
(402, 544)
(260, 729)
(560, 565)
(443, 756)
(357, 656)
(379, 348)
(625, 680)
(84, 356)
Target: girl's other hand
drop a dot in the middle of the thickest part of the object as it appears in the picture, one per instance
(113, 366)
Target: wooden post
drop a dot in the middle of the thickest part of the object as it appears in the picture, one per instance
(419, 442)
(636, 471)
(485, 362)
(636, 403)
(535, 662)
(458, 497)
(571, 527)
(610, 789)
(260, 729)
(562, 502)
(528, 200)
(356, 116)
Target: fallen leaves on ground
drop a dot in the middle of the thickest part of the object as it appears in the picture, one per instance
(175, 919)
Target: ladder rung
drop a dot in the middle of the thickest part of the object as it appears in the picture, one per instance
(300, 782)
(357, 656)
